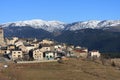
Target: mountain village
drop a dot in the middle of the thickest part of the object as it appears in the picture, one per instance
(60, 40)
(21, 50)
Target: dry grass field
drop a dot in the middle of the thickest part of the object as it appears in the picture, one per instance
(73, 69)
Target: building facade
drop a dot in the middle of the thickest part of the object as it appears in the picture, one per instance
(2, 37)
(94, 53)
(37, 54)
(17, 54)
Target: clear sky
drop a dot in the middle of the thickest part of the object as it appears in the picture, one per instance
(62, 10)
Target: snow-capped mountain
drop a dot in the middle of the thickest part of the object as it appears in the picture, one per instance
(82, 25)
(57, 25)
(101, 35)
(94, 24)
(38, 24)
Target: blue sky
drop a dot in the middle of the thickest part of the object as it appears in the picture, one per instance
(62, 10)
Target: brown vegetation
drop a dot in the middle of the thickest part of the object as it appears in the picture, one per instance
(73, 69)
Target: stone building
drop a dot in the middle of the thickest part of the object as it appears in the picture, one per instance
(17, 54)
(37, 54)
(2, 37)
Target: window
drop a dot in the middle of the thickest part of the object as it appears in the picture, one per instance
(19, 52)
(19, 56)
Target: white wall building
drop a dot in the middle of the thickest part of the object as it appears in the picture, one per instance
(94, 53)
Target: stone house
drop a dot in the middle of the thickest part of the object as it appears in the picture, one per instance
(58, 48)
(69, 48)
(80, 53)
(23, 48)
(29, 47)
(45, 41)
(19, 43)
(16, 54)
(37, 54)
(3, 50)
(31, 40)
(36, 44)
(11, 47)
(45, 48)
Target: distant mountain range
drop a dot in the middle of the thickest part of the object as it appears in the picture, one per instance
(57, 25)
(37, 24)
(100, 35)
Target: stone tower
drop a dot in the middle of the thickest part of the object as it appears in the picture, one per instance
(2, 37)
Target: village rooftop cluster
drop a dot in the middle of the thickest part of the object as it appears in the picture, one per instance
(18, 49)
(38, 50)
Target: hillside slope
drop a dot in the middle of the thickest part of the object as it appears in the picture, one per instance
(73, 69)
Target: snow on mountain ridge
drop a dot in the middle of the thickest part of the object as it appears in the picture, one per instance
(57, 25)
(83, 25)
(37, 23)
(108, 23)
(94, 24)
